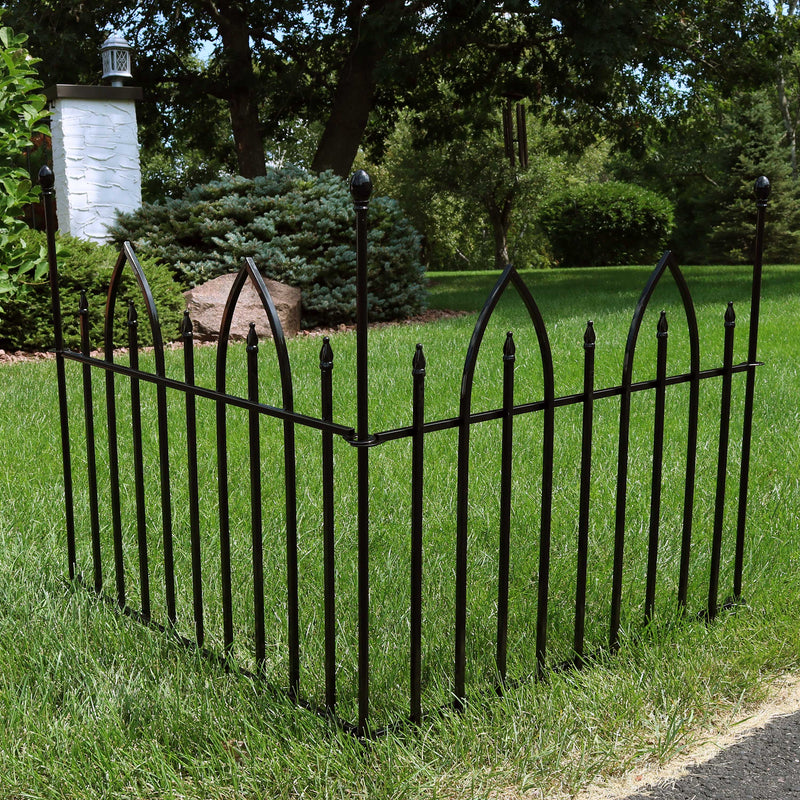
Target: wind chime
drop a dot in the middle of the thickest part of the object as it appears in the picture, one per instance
(516, 146)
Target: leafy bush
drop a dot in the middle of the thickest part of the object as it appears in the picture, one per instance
(26, 320)
(299, 229)
(21, 112)
(609, 223)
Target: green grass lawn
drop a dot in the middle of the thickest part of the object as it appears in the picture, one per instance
(97, 706)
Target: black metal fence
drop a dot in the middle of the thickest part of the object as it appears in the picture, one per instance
(118, 478)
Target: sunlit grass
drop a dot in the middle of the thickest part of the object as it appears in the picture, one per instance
(96, 706)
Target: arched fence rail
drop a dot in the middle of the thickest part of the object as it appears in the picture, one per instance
(103, 481)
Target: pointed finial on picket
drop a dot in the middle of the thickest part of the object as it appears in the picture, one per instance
(83, 303)
(187, 328)
(730, 316)
(589, 336)
(509, 348)
(252, 338)
(662, 325)
(419, 363)
(133, 314)
(326, 354)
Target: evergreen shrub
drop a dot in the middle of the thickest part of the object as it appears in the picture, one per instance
(26, 319)
(610, 223)
(299, 229)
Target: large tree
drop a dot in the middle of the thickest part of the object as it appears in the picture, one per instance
(351, 65)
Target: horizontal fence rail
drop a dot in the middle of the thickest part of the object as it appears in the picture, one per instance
(137, 540)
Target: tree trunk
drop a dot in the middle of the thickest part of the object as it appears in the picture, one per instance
(242, 101)
(352, 103)
(500, 217)
(372, 27)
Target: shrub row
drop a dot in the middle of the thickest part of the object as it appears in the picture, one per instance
(299, 229)
(26, 319)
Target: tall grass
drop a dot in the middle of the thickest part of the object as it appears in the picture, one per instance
(97, 706)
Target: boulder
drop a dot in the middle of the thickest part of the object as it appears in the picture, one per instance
(207, 302)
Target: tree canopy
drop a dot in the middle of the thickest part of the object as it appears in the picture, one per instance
(345, 68)
(232, 86)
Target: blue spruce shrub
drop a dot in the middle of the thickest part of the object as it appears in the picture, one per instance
(299, 229)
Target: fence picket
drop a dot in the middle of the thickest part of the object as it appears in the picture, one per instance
(113, 479)
(504, 554)
(328, 525)
(256, 525)
(138, 462)
(91, 451)
(722, 461)
(587, 423)
(658, 462)
(187, 334)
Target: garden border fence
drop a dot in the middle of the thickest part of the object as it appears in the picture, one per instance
(363, 439)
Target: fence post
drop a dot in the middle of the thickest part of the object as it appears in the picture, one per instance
(762, 189)
(417, 476)
(360, 189)
(47, 181)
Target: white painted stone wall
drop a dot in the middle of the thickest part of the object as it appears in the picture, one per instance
(96, 163)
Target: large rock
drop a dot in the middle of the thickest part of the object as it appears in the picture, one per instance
(207, 302)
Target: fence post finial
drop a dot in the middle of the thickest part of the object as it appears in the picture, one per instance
(360, 188)
(762, 190)
(46, 178)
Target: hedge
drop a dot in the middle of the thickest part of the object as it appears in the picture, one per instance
(610, 223)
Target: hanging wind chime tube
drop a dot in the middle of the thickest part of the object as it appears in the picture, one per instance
(515, 133)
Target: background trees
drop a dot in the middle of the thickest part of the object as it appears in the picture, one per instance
(661, 88)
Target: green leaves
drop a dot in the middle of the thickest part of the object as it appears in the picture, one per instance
(27, 322)
(598, 224)
(22, 110)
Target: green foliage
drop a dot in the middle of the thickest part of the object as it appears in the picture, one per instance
(299, 229)
(706, 163)
(606, 224)
(474, 210)
(22, 110)
(26, 320)
(750, 152)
